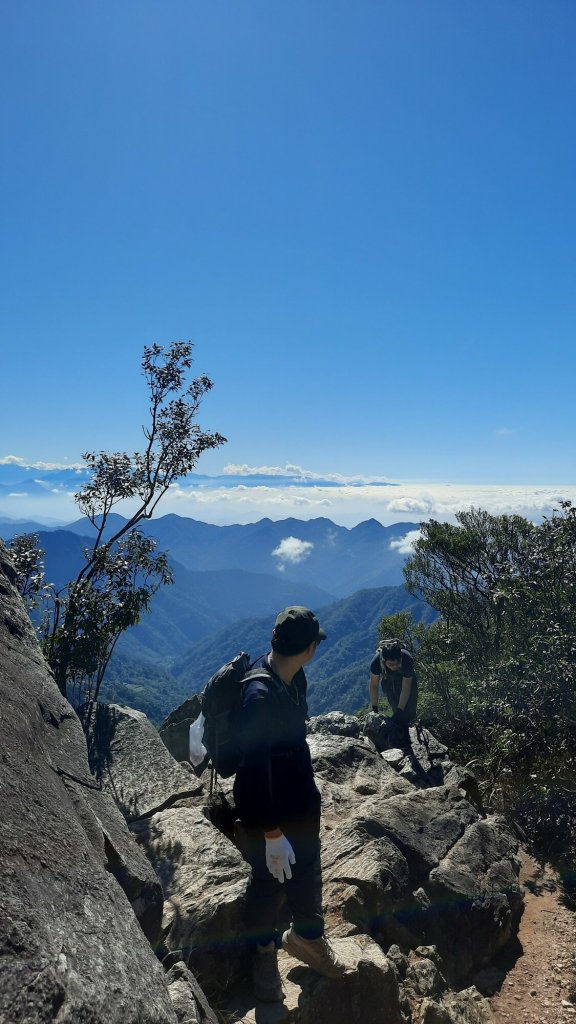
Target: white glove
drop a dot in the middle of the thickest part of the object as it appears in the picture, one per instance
(279, 857)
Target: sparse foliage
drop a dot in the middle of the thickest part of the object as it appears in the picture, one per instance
(27, 556)
(82, 622)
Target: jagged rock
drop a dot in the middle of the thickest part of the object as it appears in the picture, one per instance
(174, 731)
(204, 879)
(398, 959)
(187, 997)
(423, 978)
(367, 878)
(415, 866)
(337, 723)
(477, 883)
(432, 1012)
(423, 824)
(346, 771)
(464, 1007)
(72, 949)
(394, 757)
(123, 859)
(468, 1007)
(426, 763)
(133, 764)
(375, 728)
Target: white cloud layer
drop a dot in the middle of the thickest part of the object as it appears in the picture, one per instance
(292, 550)
(17, 460)
(246, 495)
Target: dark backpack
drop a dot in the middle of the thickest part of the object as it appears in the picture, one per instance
(221, 701)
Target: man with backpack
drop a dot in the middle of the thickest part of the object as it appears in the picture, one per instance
(393, 667)
(278, 805)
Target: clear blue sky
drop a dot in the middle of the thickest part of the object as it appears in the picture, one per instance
(363, 215)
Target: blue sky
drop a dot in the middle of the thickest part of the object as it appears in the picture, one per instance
(363, 215)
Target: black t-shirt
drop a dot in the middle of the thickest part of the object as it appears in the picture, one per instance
(391, 682)
(275, 781)
(377, 667)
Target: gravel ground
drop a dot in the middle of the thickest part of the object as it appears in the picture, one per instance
(539, 986)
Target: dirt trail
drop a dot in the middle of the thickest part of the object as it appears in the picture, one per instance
(540, 984)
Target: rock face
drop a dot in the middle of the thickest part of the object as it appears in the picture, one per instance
(72, 948)
(134, 766)
(204, 881)
(413, 863)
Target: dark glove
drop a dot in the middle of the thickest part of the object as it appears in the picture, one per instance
(375, 708)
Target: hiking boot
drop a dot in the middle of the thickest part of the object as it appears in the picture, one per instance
(317, 953)
(266, 980)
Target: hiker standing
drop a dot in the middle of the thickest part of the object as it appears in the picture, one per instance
(393, 667)
(278, 805)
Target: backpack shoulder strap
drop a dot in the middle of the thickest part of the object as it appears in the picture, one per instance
(259, 676)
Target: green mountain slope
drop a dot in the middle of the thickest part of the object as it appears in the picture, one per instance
(338, 676)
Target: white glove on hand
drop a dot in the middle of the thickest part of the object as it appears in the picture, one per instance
(279, 857)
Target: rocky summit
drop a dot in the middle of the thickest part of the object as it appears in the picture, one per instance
(122, 887)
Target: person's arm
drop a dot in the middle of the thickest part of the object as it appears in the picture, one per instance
(407, 680)
(373, 689)
(405, 692)
(257, 773)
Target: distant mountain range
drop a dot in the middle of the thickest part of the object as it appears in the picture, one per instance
(230, 581)
(336, 559)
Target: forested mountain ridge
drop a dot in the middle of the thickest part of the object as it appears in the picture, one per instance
(335, 558)
(338, 675)
(195, 605)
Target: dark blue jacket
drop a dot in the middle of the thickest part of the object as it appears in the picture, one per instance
(274, 784)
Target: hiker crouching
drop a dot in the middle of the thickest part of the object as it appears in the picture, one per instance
(278, 805)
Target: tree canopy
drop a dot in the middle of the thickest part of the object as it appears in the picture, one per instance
(498, 668)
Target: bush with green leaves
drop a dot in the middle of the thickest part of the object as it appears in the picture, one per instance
(498, 668)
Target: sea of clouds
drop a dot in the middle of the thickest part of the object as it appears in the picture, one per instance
(44, 492)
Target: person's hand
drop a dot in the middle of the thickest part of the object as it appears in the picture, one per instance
(399, 717)
(279, 857)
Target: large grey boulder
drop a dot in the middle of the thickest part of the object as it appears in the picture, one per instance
(349, 770)
(174, 731)
(337, 723)
(72, 948)
(204, 881)
(133, 764)
(412, 865)
(476, 884)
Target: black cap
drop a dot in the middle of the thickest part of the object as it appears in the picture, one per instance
(295, 629)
